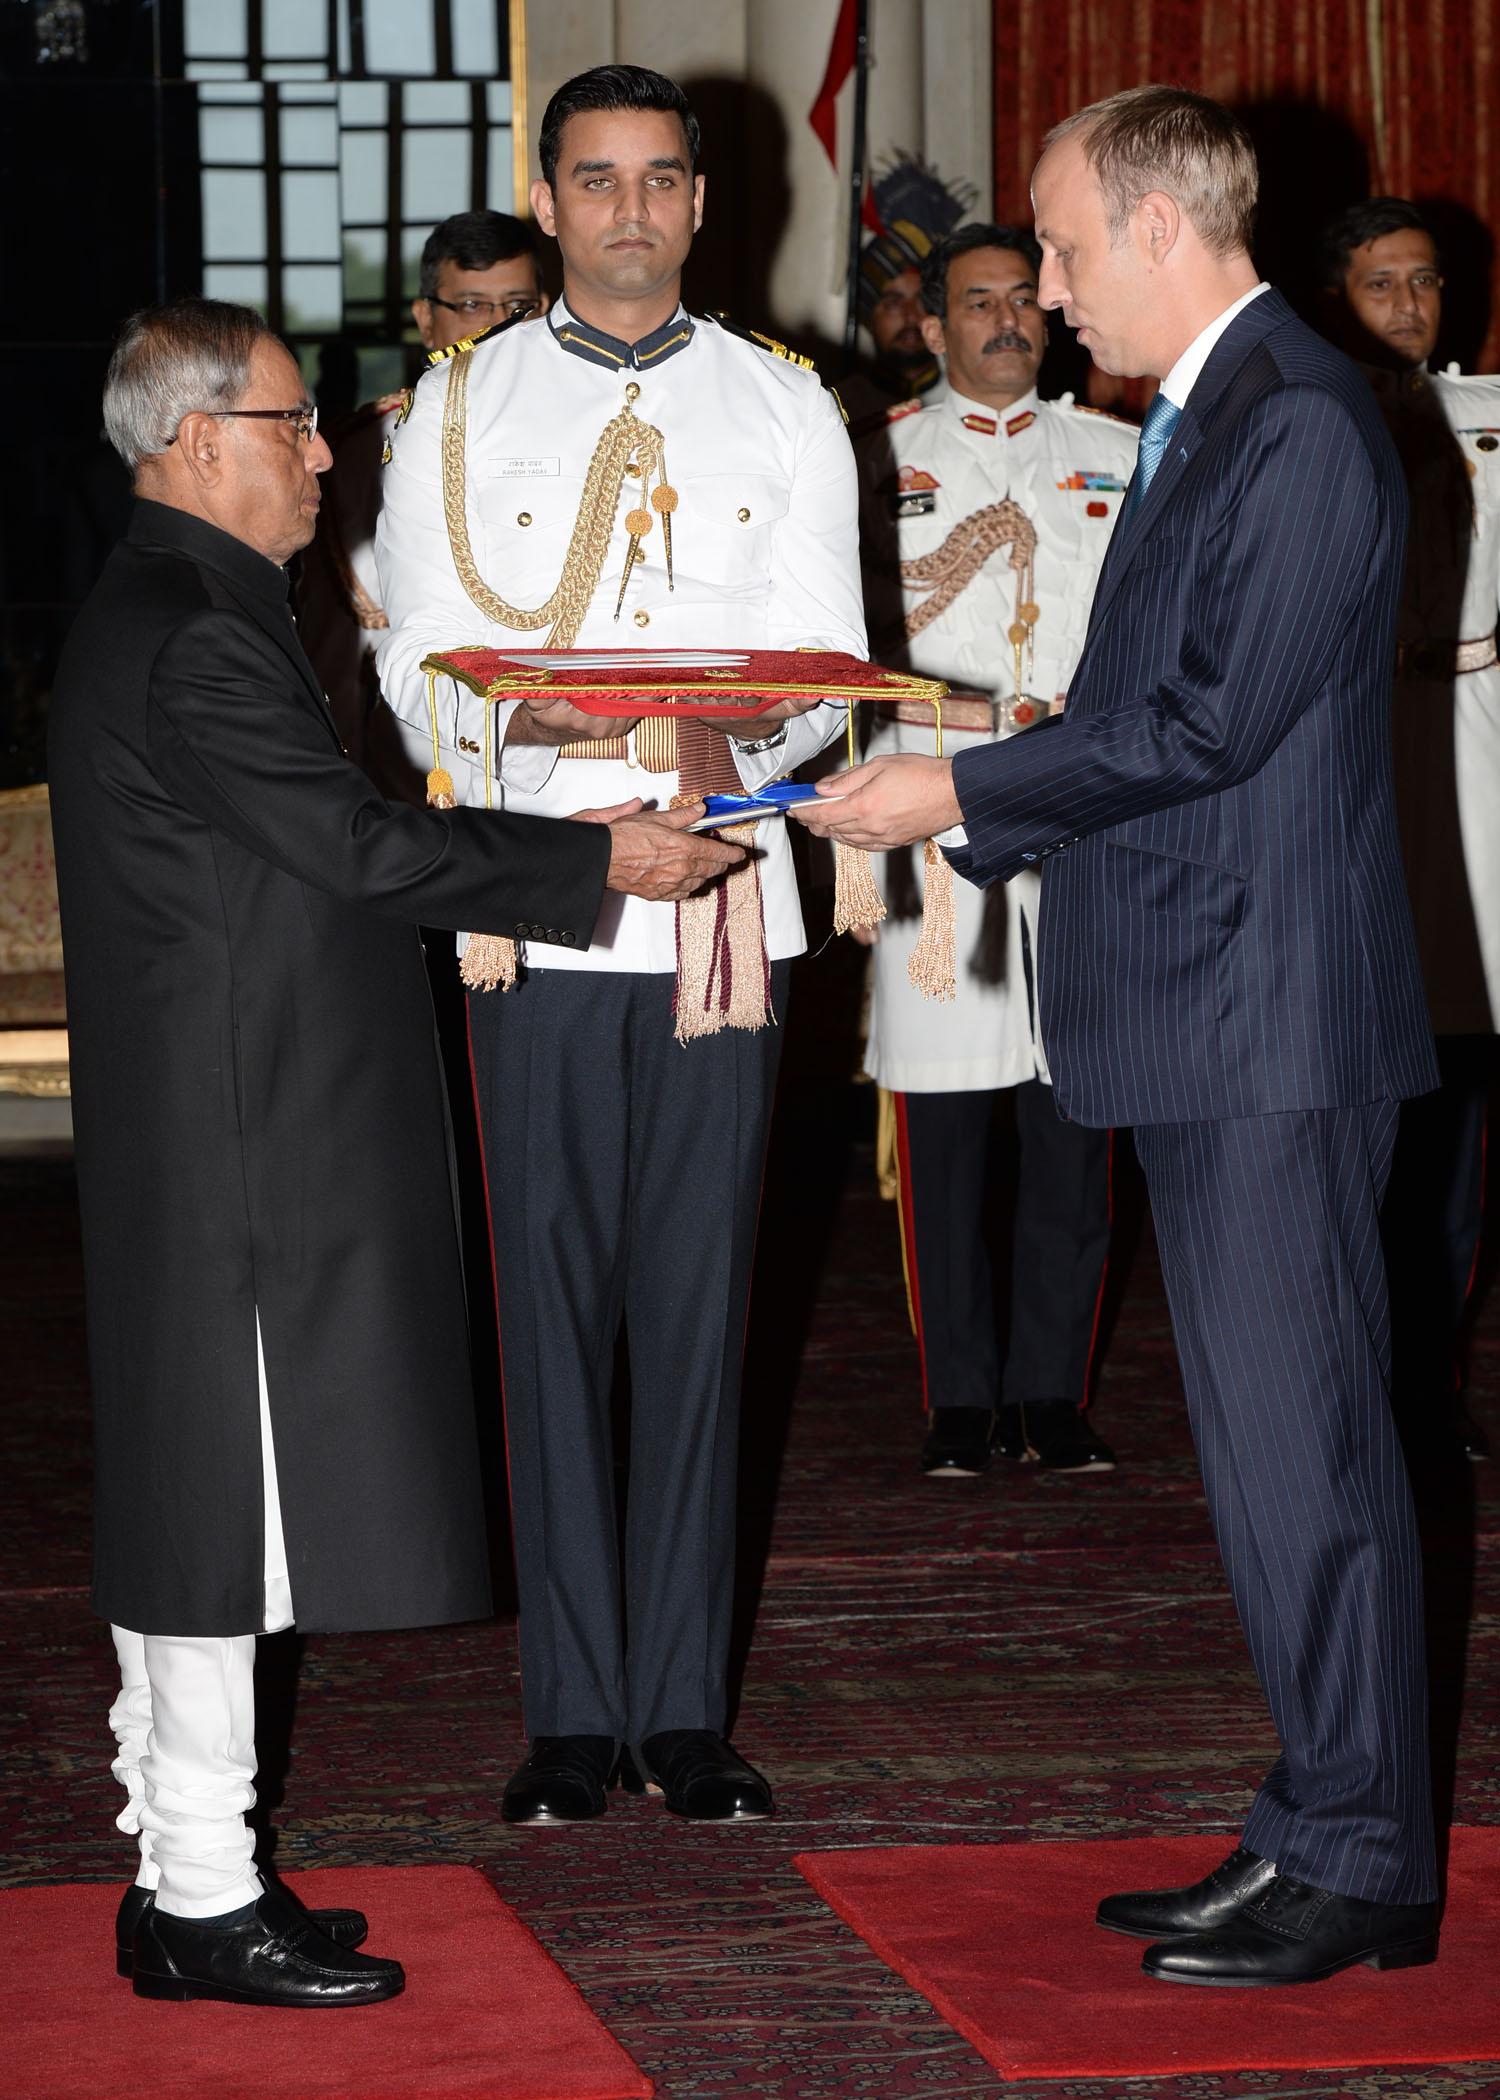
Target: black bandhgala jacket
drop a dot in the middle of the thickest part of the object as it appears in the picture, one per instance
(258, 1106)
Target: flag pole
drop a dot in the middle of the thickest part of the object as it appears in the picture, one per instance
(857, 179)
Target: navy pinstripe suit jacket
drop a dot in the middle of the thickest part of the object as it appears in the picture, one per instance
(1224, 920)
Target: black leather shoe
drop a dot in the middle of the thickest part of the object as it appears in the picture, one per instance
(346, 1928)
(958, 1442)
(561, 1779)
(697, 1775)
(275, 1956)
(1160, 1914)
(1294, 1933)
(1056, 1434)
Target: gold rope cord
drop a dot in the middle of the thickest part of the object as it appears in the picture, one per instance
(951, 568)
(625, 441)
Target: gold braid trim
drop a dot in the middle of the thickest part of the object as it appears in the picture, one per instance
(952, 567)
(625, 440)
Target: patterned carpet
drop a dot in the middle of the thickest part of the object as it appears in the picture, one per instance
(1024, 1656)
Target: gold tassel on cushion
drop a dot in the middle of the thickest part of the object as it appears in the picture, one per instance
(723, 969)
(856, 900)
(932, 966)
(489, 960)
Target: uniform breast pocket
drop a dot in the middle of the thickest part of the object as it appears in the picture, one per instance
(726, 526)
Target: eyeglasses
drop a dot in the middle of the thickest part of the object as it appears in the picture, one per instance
(485, 309)
(304, 419)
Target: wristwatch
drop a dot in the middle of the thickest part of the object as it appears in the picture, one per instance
(766, 743)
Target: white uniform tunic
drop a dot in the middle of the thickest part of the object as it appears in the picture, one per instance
(765, 555)
(928, 469)
(1448, 615)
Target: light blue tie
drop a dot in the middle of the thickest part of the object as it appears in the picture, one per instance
(1156, 434)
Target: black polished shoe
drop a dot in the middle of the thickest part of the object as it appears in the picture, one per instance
(1055, 1434)
(561, 1779)
(1160, 1914)
(958, 1442)
(697, 1775)
(1294, 1933)
(346, 1928)
(274, 1955)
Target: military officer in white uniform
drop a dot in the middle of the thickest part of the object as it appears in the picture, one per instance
(1384, 284)
(1012, 499)
(623, 1163)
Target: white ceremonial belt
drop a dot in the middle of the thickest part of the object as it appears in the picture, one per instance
(971, 712)
(1440, 659)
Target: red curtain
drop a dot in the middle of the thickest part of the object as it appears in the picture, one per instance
(1345, 98)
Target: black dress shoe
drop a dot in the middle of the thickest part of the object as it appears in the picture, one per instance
(274, 1956)
(958, 1442)
(346, 1928)
(1160, 1914)
(697, 1775)
(1294, 1933)
(561, 1779)
(1055, 1434)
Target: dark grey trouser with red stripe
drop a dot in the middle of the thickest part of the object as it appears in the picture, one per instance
(1057, 1269)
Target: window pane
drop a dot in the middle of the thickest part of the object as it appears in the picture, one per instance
(381, 371)
(497, 101)
(398, 36)
(313, 297)
(243, 284)
(234, 215)
(310, 136)
(362, 102)
(294, 29)
(294, 69)
(232, 134)
(413, 240)
(476, 40)
(364, 267)
(501, 187)
(215, 69)
(436, 102)
(435, 174)
(363, 178)
(310, 218)
(214, 29)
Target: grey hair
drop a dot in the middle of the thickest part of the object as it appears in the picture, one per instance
(1167, 138)
(170, 360)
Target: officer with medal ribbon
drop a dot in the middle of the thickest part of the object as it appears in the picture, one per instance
(986, 513)
(622, 473)
(1382, 274)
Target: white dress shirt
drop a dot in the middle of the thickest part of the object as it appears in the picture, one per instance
(765, 555)
(1180, 381)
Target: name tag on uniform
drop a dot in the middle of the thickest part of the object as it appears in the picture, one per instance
(914, 503)
(529, 469)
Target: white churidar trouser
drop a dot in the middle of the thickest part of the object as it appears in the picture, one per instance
(184, 1724)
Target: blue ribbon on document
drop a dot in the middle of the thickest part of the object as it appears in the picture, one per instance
(772, 800)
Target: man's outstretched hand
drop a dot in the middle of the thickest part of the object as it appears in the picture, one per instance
(888, 802)
(652, 853)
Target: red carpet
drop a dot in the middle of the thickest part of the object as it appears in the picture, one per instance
(486, 2015)
(1001, 1940)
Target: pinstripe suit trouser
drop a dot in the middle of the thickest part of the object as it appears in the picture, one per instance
(1269, 1234)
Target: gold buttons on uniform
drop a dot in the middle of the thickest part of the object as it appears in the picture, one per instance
(643, 619)
(743, 516)
(524, 517)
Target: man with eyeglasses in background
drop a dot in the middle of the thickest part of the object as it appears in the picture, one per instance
(479, 268)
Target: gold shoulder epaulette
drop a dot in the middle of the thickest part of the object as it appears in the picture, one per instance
(764, 342)
(1109, 416)
(471, 342)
